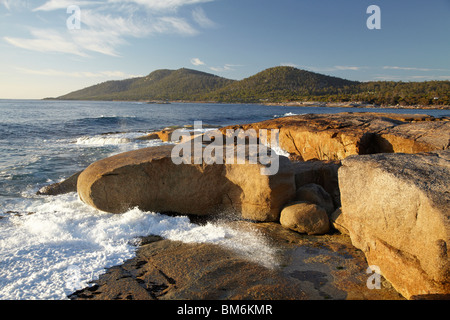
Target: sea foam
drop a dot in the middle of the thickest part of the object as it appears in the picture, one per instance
(288, 114)
(53, 246)
(109, 139)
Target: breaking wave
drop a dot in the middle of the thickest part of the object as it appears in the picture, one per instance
(44, 241)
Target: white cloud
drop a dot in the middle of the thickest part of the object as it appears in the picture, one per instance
(101, 33)
(162, 5)
(46, 41)
(352, 68)
(15, 4)
(172, 25)
(155, 5)
(227, 67)
(77, 74)
(133, 24)
(200, 17)
(77, 42)
(108, 24)
(64, 4)
(412, 69)
(334, 68)
(6, 4)
(410, 78)
(100, 41)
(197, 62)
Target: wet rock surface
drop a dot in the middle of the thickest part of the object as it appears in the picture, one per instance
(306, 268)
(66, 186)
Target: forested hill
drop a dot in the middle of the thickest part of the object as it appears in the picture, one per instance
(279, 84)
(182, 84)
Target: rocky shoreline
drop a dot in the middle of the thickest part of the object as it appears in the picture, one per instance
(358, 105)
(309, 104)
(358, 190)
(309, 268)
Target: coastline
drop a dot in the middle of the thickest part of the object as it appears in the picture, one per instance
(308, 268)
(311, 104)
(427, 134)
(357, 105)
(372, 141)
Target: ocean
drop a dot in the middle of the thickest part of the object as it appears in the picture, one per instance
(51, 246)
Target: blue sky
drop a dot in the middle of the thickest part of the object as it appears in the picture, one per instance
(41, 57)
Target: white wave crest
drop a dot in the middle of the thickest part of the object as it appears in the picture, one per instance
(101, 141)
(288, 114)
(65, 244)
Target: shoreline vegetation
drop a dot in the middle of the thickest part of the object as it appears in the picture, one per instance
(303, 104)
(273, 86)
(353, 193)
(358, 105)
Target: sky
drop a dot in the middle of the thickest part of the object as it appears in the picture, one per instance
(52, 47)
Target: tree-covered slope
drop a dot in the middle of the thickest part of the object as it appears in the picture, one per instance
(279, 84)
(159, 85)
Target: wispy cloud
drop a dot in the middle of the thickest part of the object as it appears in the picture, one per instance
(197, 62)
(64, 4)
(379, 76)
(162, 5)
(200, 17)
(172, 25)
(386, 77)
(227, 67)
(77, 74)
(412, 69)
(6, 4)
(14, 4)
(155, 5)
(106, 25)
(352, 68)
(318, 69)
(46, 41)
(330, 69)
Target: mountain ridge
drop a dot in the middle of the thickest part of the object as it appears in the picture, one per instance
(277, 84)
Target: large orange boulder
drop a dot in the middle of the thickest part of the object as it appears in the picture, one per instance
(395, 208)
(150, 180)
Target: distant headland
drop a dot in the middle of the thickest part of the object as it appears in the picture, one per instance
(278, 85)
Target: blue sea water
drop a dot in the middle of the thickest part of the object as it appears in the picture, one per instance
(51, 246)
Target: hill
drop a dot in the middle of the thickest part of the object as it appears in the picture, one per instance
(182, 84)
(281, 84)
(278, 84)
